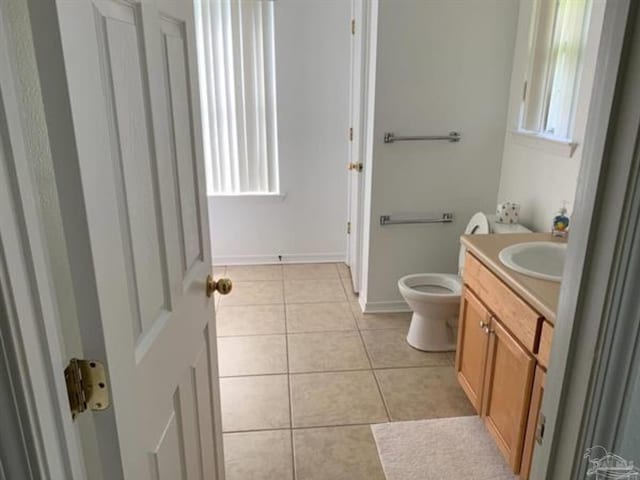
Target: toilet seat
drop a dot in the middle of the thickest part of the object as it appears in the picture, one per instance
(448, 287)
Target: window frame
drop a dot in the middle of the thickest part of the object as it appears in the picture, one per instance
(539, 69)
(238, 91)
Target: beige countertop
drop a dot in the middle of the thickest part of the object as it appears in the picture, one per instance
(542, 295)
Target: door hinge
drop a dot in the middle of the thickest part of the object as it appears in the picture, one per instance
(542, 422)
(86, 386)
(351, 134)
(353, 26)
(348, 228)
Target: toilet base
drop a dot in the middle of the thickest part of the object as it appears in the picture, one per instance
(430, 335)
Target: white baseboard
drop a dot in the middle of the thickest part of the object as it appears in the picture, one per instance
(277, 259)
(386, 307)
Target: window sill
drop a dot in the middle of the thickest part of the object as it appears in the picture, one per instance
(553, 145)
(256, 196)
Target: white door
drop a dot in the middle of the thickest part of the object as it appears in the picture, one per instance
(134, 206)
(355, 148)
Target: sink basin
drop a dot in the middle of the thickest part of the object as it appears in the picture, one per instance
(544, 260)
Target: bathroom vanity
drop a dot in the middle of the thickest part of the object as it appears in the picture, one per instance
(505, 332)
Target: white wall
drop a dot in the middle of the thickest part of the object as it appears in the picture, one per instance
(537, 178)
(441, 65)
(312, 76)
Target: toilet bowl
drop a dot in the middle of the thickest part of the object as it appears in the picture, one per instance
(434, 298)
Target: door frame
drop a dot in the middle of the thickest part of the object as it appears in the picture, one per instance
(598, 249)
(584, 295)
(361, 13)
(32, 362)
(369, 39)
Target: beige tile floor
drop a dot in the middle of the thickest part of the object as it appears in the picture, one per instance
(304, 373)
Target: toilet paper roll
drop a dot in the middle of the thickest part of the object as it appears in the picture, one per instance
(508, 212)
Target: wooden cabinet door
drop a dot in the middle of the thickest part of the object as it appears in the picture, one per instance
(507, 392)
(532, 424)
(473, 340)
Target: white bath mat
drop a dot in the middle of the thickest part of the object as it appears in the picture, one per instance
(443, 449)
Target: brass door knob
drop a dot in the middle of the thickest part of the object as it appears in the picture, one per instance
(223, 286)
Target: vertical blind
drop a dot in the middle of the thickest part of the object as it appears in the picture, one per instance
(237, 87)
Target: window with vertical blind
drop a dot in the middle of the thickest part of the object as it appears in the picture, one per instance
(238, 95)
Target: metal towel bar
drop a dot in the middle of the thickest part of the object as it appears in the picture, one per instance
(391, 137)
(387, 220)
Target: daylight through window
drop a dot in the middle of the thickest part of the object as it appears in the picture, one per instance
(237, 80)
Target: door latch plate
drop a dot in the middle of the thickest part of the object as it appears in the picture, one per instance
(86, 386)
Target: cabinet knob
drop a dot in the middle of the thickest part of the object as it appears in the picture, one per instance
(483, 324)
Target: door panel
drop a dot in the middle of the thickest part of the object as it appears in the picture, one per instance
(184, 399)
(202, 380)
(182, 150)
(134, 167)
(131, 68)
(472, 347)
(507, 392)
(166, 461)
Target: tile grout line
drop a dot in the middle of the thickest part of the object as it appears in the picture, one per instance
(310, 372)
(289, 398)
(292, 303)
(298, 303)
(307, 427)
(366, 351)
(308, 332)
(344, 282)
(375, 377)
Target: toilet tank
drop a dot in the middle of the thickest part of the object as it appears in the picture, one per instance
(483, 223)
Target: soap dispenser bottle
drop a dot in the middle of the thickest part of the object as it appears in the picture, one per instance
(560, 227)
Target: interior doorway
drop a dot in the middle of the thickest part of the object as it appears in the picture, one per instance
(357, 139)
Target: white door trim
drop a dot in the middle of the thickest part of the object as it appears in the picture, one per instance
(367, 135)
(357, 148)
(592, 257)
(29, 327)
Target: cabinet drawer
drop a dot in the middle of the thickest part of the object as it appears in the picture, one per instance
(518, 317)
(544, 349)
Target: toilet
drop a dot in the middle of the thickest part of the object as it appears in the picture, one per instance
(434, 298)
